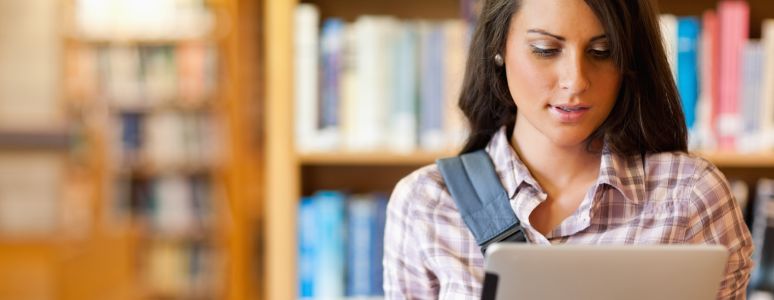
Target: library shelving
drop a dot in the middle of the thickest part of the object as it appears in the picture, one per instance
(168, 109)
(294, 173)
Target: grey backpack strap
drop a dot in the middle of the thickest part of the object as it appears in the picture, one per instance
(481, 199)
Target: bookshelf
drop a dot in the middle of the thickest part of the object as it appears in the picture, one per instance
(295, 173)
(171, 147)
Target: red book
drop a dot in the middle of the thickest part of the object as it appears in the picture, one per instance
(710, 71)
(734, 18)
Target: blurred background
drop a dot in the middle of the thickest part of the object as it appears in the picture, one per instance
(236, 149)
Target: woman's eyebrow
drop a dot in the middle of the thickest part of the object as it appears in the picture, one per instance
(561, 38)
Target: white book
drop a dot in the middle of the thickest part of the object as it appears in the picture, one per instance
(30, 56)
(123, 77)
(403, 113)
(160, 75)
(30, 190)
(349, 87)
(750, 99)
(367, 133)
(164, 143)
(173, 207)
(767, 97)
(431, 101)
(307, 19)
(455, 53)
(668, 25)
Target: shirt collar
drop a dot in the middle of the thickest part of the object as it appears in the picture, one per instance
(625, 174)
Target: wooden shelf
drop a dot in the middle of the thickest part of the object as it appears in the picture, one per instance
(721, 159)
(372, 158)
(38, 139)
(139, 41)
(739, 160)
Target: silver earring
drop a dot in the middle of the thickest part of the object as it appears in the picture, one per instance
(499, 60)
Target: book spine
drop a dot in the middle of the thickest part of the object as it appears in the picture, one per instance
(360, 210)
(688, 30)
(668, 24)
(454, 70)
(307, 243)
(329, 274)
(431, 78)
(708, 96)
(403, 115)
(307, 17)
(734, 19)
(763, 220)
(380, 218)
(767, 101)
(332, 43)
(749, 139)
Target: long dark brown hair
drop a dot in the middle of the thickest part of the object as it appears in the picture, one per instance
(646, 117)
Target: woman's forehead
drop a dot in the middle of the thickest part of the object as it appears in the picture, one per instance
(572, 19)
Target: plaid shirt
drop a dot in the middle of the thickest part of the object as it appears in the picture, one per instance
(671, 198)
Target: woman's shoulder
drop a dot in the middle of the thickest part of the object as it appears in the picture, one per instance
(677, 164)
(423, 187)
(684, 171)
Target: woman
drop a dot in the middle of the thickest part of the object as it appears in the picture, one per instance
(575, 104)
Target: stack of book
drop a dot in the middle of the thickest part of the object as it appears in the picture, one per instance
(340, 244)
(725, 79)
(378, 83)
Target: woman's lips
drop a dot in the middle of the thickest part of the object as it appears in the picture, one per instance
(569, 113)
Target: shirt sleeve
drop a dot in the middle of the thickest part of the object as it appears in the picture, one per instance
(406, 269)
(717, 219)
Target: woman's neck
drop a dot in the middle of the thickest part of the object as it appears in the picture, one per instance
(555, 166)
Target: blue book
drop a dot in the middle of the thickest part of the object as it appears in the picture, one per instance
(403, 115)
(329, 234)
(331, 44)
(360, 243)
(306, 247)
(688, 33)
(431, 86)
(131, 136)
(380, 217)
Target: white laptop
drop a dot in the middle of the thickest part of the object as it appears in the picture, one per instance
(523, 271)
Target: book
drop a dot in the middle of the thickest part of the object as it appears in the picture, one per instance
(173, 211)
(361, 214)
(688, 32)
(431, 108)
(734, 19)
(668, 26)
(30, 189)
(749, 139)
(122, 73)
(158, 76)
(455, 54)
(767, 93)
(30, 52)
(306, 81)
(329, 274)
(706, 135)
(306, 247)
(403, 117)
(372, 37)
(332, 42)
(763, 236)
(380, 219)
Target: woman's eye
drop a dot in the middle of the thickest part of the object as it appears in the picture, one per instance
(600, 53)
(544, 52)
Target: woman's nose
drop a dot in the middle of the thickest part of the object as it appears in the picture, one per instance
(574, 78)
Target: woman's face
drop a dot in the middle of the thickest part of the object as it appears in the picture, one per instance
(560, 73)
